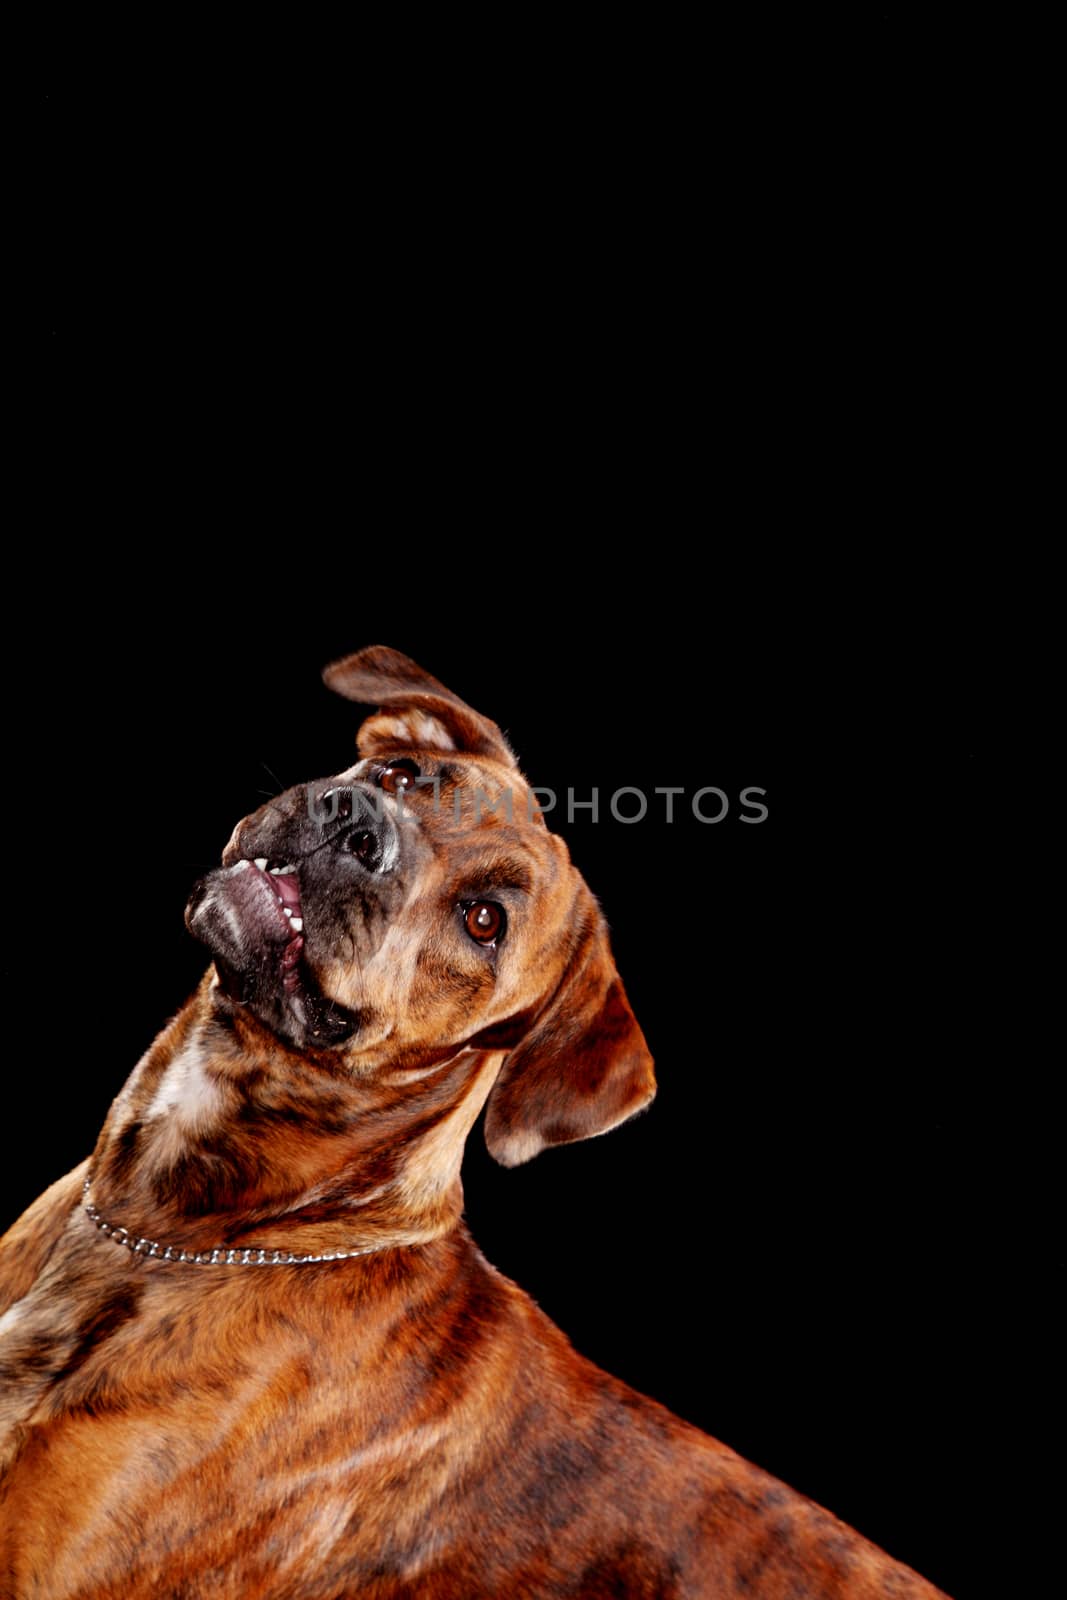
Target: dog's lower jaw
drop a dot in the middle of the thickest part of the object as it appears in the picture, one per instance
(219, 1139)
(298, 1015)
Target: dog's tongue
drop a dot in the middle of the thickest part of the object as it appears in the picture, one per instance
(288, 888)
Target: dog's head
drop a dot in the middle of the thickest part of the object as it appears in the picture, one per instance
(415, 905)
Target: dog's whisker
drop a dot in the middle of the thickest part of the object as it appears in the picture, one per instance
(272, 774)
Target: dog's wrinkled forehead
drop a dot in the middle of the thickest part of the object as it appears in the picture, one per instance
(451, 793)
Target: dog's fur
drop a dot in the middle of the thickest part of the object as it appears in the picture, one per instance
(402, 1424)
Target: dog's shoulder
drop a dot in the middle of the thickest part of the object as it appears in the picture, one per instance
(652, 1505)
(26, 1246)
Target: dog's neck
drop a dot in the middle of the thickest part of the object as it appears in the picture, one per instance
(222, 1137)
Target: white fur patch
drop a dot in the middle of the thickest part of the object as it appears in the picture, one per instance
(11, 1317)
(414, 727)
(233, 921)
(185, 1092)
(427, 730)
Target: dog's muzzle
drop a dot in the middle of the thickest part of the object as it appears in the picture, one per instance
(292, 874)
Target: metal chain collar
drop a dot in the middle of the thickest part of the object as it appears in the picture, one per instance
(222, 1256)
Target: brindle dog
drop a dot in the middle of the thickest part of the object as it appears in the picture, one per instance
(249, 1348)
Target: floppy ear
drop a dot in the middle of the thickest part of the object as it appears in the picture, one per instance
(583, 1068)
(414, 708)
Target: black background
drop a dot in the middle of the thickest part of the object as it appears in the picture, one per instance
(648, 440)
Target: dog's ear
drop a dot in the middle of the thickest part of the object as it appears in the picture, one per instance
(414, 709)
(583, 1068)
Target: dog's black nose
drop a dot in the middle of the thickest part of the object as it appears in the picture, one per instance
(352, 821)
(347, 819)
(343, 803)
(337, 804)
(364, 844)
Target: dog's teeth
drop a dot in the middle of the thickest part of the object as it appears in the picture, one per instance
(288, 912)
(279, 871)
(261, 863)
(241, 866)
(297, 924)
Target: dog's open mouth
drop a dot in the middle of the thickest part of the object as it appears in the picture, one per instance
(251, 917)
(284, 884)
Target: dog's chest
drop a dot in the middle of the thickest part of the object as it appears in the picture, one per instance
(145, 1401)
(290, 1431)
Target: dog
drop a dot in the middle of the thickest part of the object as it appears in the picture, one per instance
(249, 1351)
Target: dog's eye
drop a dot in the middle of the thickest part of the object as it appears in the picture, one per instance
(398, 775)
(484, 920)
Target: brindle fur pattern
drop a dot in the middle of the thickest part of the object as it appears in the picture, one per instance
(404, 1425)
